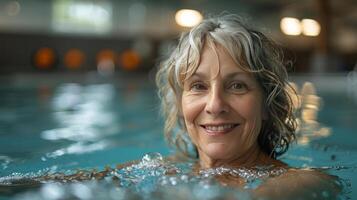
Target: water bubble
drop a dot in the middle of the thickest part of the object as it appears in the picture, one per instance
(184, 178)
(52, 191)
(81, 191)
(259, 172)
(173, 180)
(151, 157)
(164, 182)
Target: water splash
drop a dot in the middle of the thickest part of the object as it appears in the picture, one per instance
(146, 173)
(152, 177)
(247, 174)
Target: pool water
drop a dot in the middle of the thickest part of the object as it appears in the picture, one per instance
(67, 126)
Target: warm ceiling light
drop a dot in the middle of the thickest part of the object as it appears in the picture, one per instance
(310, 27)
(188, 18)
(290, 26)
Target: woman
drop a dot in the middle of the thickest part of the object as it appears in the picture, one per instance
(225, 90)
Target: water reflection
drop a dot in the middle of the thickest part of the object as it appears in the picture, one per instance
(83, 115)
(307, 105)
(79, 148)
(5, 161)
(352, 84)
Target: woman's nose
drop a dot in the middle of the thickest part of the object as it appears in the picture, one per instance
(216, 103)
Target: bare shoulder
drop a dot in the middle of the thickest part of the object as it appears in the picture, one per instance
(300, 184)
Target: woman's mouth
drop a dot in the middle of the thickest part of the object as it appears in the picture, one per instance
(219, 128)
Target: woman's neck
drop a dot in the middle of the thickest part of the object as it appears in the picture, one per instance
(252, 157)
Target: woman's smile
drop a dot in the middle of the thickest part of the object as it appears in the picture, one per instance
(218, 129)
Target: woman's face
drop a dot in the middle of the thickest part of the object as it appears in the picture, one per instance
(222, 107)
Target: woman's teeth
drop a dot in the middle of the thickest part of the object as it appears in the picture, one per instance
(220, 127)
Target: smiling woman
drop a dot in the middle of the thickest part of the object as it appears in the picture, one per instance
(222, 110)
(225, 90)
(226, 67)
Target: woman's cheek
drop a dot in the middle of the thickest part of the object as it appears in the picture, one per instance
(191, 107)
(250, 107)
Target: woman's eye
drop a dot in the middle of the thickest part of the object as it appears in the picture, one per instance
(198, 87)
(238, 87)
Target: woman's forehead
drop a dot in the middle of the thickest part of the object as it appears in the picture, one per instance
(216, 60)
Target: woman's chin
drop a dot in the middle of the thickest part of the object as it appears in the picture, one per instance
(217, 151)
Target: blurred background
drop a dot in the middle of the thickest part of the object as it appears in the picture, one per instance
(109, 37)
(77, 78)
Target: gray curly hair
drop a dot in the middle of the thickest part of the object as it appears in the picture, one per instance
(251, 50)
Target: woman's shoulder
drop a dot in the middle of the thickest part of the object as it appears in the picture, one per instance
(308, 177)
(301, 183)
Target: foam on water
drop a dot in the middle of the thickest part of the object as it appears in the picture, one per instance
(152, 177)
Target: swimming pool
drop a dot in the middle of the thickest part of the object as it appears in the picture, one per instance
(61, 123)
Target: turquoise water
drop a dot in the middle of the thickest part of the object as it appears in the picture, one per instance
(65, 126)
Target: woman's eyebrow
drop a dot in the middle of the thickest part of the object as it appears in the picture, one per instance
(204, 76)
(236, 74)
(199, 75)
